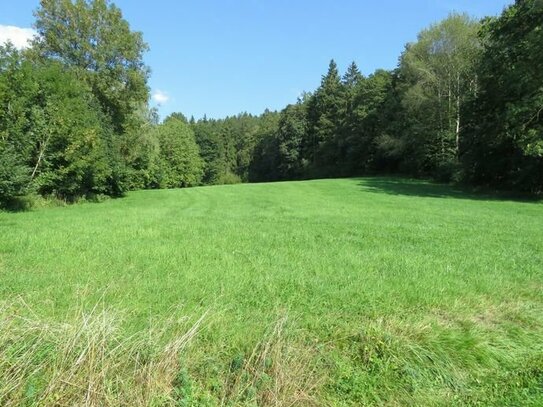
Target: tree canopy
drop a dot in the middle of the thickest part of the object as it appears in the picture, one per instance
(464, 104)
(93, 38)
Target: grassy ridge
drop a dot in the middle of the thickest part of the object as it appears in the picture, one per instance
(384, 290)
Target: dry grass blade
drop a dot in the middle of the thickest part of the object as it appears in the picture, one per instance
(278, 372)
(88, 361)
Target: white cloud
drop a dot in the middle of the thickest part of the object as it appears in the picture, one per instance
(18, 36)
(160, 97)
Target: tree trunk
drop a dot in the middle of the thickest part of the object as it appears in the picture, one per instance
(43, 146)
(441, 132)
(457, 114)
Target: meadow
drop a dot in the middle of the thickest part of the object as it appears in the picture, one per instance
(347, 292)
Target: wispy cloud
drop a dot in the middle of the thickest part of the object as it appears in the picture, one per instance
(160, 97)
(18, 36)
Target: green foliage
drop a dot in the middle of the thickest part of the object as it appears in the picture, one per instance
(291, 133)
(14, 175)
(140, 150)
(229, 178)
(181, 165)
(504, 138)
(364, 122)
(229, 147)
(464, 104)
(54, 123)
(211, 151)
(76, 155)
(94, 41)
(326, 109)
(266, 162)
(93, 38)
(438, 75)
(352, 77)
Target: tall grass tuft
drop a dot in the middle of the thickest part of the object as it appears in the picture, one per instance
(277, 372)
(88, 361)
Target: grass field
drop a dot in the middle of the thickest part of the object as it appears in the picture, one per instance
(373, 291)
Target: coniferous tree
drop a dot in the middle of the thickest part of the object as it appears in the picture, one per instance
(291, 132)
(365, 123)
(75, 119)
(349, 132)
(325, 111)
(265, 160)
(352, 76)
(211, 151)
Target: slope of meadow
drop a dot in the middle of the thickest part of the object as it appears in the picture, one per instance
(328, 292)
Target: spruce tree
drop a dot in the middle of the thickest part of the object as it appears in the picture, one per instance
(352, 76)
(326, 109)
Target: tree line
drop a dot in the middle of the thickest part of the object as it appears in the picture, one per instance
(464, 104)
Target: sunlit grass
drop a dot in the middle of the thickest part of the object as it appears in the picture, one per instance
(386, 291)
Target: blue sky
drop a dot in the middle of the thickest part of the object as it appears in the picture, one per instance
(222, 57)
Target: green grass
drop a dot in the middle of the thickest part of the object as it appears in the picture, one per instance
(345, 292)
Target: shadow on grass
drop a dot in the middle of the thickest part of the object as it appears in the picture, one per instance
(32, 201)
(429, 189)
(17, 204)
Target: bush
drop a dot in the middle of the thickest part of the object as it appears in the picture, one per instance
(229, 178)
(447, 171)
(14, 177)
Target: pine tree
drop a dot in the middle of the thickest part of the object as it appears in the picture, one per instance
(352, 81)
(325, 111)
(353, 76)
(291, 132)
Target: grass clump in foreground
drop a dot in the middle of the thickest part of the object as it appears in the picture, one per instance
(331, 292)
(88, 361)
